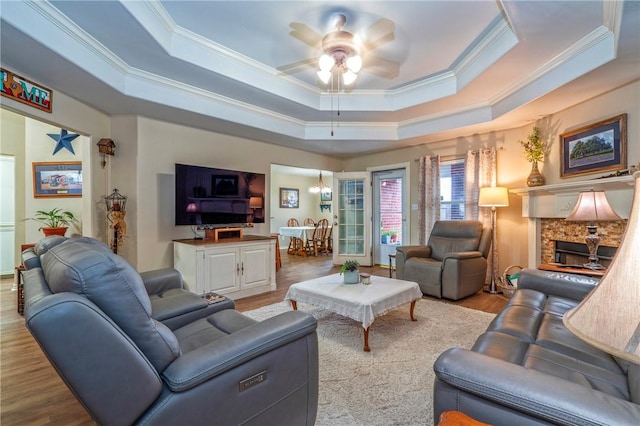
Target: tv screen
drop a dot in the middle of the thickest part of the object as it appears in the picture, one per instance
(210, 196)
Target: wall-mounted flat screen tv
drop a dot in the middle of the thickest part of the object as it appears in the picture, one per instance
(211, 196)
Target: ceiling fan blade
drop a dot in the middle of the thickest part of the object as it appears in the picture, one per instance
(381, 67)
(305, 34)
(379, 33)
(298, 66)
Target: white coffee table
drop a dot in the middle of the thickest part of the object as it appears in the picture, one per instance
(359, 302)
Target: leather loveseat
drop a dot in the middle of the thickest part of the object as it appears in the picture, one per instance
(528, 369)
(102, 326)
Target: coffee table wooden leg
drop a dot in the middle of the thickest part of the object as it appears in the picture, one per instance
(366, 340)
(413, 305)
(294, 305)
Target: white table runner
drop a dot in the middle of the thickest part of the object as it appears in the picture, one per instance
(359, 302)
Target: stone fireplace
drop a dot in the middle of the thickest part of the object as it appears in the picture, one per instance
(547, 206)
(563, 242)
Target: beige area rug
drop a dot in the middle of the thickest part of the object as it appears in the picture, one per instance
(392, 384)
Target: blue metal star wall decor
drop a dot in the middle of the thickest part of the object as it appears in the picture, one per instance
(63, 140)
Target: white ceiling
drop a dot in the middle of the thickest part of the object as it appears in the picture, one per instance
(440, 69)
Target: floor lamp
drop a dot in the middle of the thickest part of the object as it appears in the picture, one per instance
(493, 196)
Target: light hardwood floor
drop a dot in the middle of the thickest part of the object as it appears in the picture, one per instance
(31, 393)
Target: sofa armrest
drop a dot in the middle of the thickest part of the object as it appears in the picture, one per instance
(462, 255)
(413, 251)
(161, 280)
(533, 393)
(560, 284)
(211, 360)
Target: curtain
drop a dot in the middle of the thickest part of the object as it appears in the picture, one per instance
(428, 196)
(480, 172)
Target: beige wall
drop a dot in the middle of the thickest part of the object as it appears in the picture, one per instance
(12, 143)
(39, 148)
(77, 118)
(146, 151)
(159, 146)
(513, 169)
(309, 202)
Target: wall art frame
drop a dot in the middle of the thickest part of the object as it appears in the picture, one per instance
(594, 148)
(57, 179)
(289, 198)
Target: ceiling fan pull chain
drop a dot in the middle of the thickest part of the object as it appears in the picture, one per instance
(331, 91)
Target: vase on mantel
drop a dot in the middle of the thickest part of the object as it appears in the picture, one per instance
(535, 177)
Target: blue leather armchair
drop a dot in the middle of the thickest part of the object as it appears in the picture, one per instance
(91, 313)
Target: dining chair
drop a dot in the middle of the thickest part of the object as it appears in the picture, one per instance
(309, 222)
(313, 244)
(322, 238)
(329, 240)
(293, 241)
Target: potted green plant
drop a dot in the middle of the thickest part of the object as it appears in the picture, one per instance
(350, 271)
(385, 237)
(56, 221)
(534, 150)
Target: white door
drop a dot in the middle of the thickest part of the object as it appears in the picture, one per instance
(389, 215)
(352, 217)
(7, 214)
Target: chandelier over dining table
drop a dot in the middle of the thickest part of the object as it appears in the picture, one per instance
(320, 186)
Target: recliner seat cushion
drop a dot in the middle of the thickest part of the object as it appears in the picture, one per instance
(86, 268)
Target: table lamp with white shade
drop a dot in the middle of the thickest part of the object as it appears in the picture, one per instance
(592, 206)
(609, 317)
(493, 196)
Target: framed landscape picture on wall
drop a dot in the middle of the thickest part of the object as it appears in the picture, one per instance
(289, 198)
(57, 180)
(598, 147)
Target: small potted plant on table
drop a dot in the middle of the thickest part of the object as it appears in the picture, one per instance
(56, 221)
(350, 271)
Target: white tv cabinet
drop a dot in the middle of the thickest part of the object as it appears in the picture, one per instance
(234, 267)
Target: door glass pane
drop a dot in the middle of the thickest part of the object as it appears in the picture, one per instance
(390, 197)
(352, 217)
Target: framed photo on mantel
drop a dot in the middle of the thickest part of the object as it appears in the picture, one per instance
(595, 148)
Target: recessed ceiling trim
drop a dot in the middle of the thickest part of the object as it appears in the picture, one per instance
(352, 131)
(589, 53)
(21, 13)
(437, 123)
(500, 40)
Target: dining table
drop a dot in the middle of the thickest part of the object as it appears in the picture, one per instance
(300, 235)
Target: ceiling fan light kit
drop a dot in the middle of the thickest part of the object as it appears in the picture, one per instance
(341, 54)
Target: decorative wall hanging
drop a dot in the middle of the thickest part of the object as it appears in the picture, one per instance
(57, 180)
(63, 140)
(116, 211)
(106, 147)
(594, 148)
(26, 91)
(289, 198)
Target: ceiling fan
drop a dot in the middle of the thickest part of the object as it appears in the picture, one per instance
(343, 53)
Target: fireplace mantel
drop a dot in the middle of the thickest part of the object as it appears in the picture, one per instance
(557, 200)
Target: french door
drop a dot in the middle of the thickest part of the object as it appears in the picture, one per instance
(389, 215)
(352, 217)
